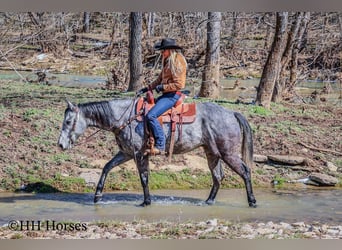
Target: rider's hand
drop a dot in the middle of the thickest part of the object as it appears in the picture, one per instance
(142, 91)
(159, 88)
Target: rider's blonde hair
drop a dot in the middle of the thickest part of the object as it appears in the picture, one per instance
(173, 64)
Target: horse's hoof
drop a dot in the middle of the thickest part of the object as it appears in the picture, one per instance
(97, 198)
(145, 203)
(252, 204)
(210, 202)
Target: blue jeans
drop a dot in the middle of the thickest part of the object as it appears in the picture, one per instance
(164, 102)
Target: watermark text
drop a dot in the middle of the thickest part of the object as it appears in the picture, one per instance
(46, 225)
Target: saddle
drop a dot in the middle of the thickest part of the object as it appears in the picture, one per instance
(179, 114)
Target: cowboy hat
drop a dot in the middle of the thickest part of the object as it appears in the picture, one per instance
(166, 43)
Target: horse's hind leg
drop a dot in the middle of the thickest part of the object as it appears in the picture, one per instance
(236, 164)
(115, 161)
(143, 168)
(217, 174)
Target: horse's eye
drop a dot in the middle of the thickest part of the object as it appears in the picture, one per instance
(68, 122)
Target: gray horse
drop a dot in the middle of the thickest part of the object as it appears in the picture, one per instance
(216, 129)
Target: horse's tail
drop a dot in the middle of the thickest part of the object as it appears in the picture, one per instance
(247, 139)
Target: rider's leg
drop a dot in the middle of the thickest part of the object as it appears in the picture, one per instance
(165, 102)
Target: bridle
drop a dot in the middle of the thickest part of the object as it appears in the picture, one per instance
(72, 131)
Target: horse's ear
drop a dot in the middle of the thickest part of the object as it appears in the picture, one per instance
(71, 105)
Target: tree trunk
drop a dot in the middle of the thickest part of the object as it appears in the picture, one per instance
(211, 72)
(112, 39)
(135, 61)
(281, 81)
(86, 22)
(150, 24)
(340, 23)
(272, 67)
(296, 48)
(234, 32)
(269, 28)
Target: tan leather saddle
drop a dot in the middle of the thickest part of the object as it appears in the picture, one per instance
(179, 114)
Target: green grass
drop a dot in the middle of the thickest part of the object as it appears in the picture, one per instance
(279, 181)
(60, 158)
(261, 111)
(162, 179)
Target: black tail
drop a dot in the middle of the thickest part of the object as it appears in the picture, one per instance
(247, 139)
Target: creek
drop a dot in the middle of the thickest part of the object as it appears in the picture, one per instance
(231, 88)
(278, 205)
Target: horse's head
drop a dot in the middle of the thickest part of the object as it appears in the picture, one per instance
(73, 126)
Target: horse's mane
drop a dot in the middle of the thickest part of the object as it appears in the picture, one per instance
(100, 112)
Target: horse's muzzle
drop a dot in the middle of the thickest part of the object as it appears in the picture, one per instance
(64, 144)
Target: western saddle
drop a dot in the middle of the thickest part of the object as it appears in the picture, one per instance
(179, 114)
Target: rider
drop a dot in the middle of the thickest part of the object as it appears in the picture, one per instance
(170, 81)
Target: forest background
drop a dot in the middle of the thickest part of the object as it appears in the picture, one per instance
(282, 48)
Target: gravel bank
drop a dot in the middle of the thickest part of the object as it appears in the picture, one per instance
(212, 229)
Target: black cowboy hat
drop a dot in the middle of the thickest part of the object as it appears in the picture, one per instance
(166, 43)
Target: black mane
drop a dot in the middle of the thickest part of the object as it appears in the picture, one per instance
(99, 112)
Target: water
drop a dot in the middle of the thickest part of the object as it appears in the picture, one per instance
(308, 205)
(246, 89)
(66, 80)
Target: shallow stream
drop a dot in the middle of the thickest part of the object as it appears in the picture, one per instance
(246, 89)
(302, 204)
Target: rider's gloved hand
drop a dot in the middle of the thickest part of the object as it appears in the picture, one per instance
(159, 88)
(142, 91)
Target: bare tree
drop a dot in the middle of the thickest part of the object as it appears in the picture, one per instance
(45, 34)
(234, 31)
(292, 36)
(340, 24)
(135, 61)
(86, 22)
(112, 38)
(150, 24)
(211, 72)
(295, 52)
(272, 67)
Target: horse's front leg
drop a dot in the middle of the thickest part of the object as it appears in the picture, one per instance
(143, 168)
(118, 159)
